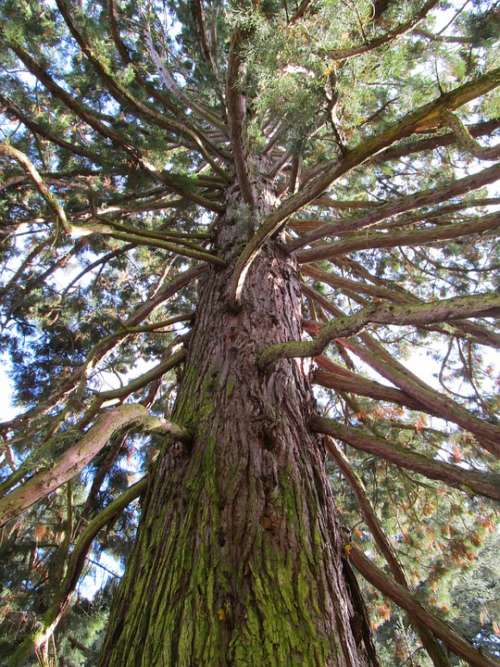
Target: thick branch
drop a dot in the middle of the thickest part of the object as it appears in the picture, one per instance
(138, 238)
(236, 116)
(405, 600)
(139, 382)
(487, 434)
(74, 459)
(414, 201)
(434, 234)
(480, 305)
(435, 403)
(344, 380)
(484, 484)
(401, 150)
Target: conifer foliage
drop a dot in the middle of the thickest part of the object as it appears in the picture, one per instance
(171, 172)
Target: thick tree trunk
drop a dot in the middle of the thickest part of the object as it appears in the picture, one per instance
(238, 558)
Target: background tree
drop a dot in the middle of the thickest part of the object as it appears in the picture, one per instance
(208, 207)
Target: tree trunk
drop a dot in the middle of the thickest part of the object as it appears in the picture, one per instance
(238, 559)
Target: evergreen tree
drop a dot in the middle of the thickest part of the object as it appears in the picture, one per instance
(231, 233)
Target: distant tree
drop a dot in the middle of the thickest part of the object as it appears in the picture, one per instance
(219, 207)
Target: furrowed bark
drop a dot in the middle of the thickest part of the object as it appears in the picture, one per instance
(239, 553)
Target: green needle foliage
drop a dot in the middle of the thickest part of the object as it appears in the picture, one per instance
(139, 120)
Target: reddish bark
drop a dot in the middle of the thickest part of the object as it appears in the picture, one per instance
(238, 560)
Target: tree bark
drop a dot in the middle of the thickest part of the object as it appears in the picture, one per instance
(238, 559)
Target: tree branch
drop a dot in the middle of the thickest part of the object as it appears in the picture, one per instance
(345, 54)
(74, 459)
(425, 115)
(484, 484)
(467, 141)
(431, 645)
(391, 208)
(404, 599)
(24, 161)
(434, 234)
(74, 568)
(480, 305)
(236, 115)
(434, 402)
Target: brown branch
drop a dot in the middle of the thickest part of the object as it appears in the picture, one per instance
(384, 289)
(24, 161)
(345, 54)
(391, 208)
(122, 95)
(404, 599)
(484, 484)
(143, 380)
(74, 459)
(431, 645)
(301, 10)
(236, 110)
(487, 435)
(489, 222)
(121, 141)
(137, 237)
(67, 386)
(402, 150)
(344, 380)
(480, 305)
(366, 149)
(36, 128)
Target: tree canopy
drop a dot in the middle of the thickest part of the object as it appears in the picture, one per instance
(125, 126)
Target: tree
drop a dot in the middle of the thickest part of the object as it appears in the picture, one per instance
(246, 199)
